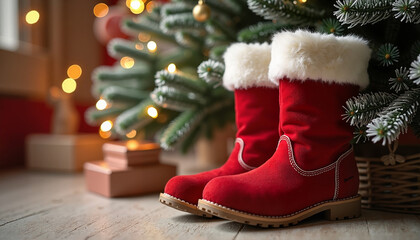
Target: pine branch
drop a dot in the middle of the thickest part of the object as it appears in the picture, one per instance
(176, 8)
(415, 71)
(395, 118)
(119, 48)
(215, 26)
(361, 110)
(407, 10)
(181, 127)
(355, 12)
(180, 81)
(285, 10)
(401, 80)
(142, 24)
(99, 87)
(387, 54)
(331, 26)
(178, 22)
(262, 32)
(216, 53)
(122, 94)
(189, 40)
(177, 98)
(211, 71)
(134, 118)
(94, 116)
(110, 74)
(187, 122)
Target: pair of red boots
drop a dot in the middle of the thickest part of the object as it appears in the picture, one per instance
(292, 157)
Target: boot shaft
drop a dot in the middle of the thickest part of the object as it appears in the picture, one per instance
(316, 74)
(256, 103)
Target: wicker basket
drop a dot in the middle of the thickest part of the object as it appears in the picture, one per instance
(393, 187)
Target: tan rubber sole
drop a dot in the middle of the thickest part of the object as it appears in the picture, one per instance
(181, 205)
(333, 210)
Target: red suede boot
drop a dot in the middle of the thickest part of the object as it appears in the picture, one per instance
(313, 169)
(257, 117)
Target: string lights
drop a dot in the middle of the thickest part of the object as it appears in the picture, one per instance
(32, 17)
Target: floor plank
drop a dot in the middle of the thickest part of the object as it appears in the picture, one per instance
(43, 205)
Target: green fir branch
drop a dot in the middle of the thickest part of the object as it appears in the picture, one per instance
(415, 71)
(387, 54)
(401, 81)
(134, 118)
(217, 52)
(362, 109)
(356, 12)
(189, 40)
(211, 72)
(176, 8)
(145, 26)
(289, 11)
(114, 74)
(395, 118)
(180, 81)
(99, 87)
(407, 10)
(119, 48)
(122, 94)
(185, 22)
(262, 32)
(176, 98)
(331, 26)
(216, 26)
(94, 116)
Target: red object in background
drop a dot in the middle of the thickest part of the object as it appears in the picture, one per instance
(20, 117)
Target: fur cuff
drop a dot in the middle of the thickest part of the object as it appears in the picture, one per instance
(247, 66)
(303, 55)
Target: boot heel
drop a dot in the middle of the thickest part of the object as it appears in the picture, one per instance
(344, 209)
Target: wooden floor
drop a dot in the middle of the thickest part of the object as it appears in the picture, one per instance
(40, 205)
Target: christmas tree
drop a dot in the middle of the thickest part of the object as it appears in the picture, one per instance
(192, 102)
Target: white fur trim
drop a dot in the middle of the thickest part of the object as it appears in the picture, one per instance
(303, 55)
(247, 66)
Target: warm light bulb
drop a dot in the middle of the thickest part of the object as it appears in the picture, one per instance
(100, 10)
(105, 135)
(131, 134)
(139, 46)
(127, 62)
(152, 46)
(32, 17)
(106, 126)
(152, 111)
(302, 1)
(144, 37)
(136, 6)
(69, 85)
(171, 68)
(101, 104)
(74, 71)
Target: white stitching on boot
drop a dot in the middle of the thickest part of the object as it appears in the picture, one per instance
(240, 159)
(312, 172)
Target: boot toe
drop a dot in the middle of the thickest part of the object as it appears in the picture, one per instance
(185, 188)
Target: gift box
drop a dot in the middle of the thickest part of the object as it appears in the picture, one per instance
(61, 152)
(131, 153)
(112, 181)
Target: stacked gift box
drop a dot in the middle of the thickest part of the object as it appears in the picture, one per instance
(129, 168)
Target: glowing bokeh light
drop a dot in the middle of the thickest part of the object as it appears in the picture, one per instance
(136, 6)
(152, 46)
(127, 62)
(131, 134)
(152, 112)
(171, 68)
(69, 85)
(32, 17)
(100, 10)
(74, 71)
(101, 104)
(106, 126)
